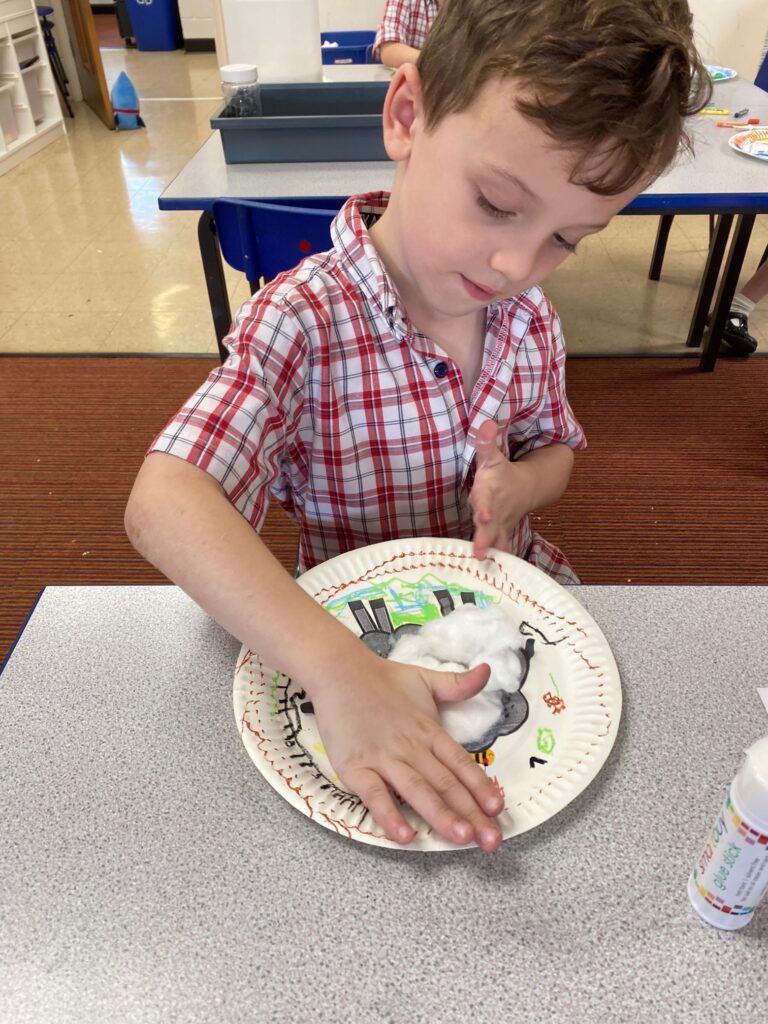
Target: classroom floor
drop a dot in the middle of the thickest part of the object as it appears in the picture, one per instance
(88, 264)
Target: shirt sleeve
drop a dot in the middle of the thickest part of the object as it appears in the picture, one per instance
(394, 26)
(239, 423)
(550, 420)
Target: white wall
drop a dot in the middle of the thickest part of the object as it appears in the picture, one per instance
(348, 15)
(728, 32)
(731, 32)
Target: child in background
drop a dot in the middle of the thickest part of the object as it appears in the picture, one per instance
(736, 331)
(410, 381)
(403, 29)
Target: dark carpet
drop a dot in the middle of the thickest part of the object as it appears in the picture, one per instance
(672, 489)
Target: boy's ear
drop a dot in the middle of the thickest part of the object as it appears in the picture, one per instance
(402, 108)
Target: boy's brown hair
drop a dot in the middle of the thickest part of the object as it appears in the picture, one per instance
(609, 77)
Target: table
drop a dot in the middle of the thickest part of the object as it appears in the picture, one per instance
(150, 874)
(715, 180)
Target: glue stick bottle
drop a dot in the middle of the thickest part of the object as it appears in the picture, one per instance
(730, 876)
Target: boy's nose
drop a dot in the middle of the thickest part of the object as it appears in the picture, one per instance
(518, 264)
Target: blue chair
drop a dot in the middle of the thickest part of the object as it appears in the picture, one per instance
(761, 79)
(262, 240)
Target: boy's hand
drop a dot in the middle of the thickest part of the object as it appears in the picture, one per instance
(397, 743)
(500, 495)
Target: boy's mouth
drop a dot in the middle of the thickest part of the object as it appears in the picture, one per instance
(477, 291)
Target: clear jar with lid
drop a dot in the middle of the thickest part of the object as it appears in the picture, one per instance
(241, 91)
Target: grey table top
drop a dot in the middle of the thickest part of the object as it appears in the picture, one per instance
(714, 178)
(149, 874)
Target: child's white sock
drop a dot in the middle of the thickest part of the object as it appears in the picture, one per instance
(741, 304)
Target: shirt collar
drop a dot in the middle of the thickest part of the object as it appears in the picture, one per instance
(360, 260)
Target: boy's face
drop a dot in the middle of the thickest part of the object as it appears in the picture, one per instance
(482, 207)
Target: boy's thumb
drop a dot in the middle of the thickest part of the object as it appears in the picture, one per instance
(448, 687)
(485, 441)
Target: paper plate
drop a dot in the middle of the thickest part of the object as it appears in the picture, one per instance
(718, 74)
(564, 718)
(751, 142)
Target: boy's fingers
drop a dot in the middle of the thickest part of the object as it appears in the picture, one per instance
(435, 793)
(482, 540)
(428, 787)
(482, 789)
(376, 796)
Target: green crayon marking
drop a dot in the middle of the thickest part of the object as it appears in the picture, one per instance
(545, 741)
(409, 601)
(273, 689)
(552, 680)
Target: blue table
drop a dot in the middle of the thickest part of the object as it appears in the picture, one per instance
(714, 180)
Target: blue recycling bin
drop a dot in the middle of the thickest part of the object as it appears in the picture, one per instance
(350, 48)
(156, 24)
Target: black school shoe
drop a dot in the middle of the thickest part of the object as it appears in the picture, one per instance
(736, 335)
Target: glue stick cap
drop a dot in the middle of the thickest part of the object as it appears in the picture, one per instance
(751, 785)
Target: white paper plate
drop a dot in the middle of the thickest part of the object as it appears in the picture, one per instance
(751, 142)
(565, 717)
(720, 74)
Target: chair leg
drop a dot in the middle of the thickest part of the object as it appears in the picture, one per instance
(57, 68)
(709, 280)
(660, 246)
(727, 289)
(215, 281)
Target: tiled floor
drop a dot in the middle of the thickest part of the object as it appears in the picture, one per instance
(89, 264)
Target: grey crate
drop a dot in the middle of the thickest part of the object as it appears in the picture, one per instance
(307, 121)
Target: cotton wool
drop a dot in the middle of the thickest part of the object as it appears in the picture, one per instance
(466, 637)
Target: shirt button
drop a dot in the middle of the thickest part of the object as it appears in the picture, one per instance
(441, 370)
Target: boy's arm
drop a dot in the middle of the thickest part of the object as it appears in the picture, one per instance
(504, 491)
(377, 718)
(394, 54)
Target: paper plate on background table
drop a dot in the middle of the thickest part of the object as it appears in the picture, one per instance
(568, 707)
(751, 142)
(720, 74)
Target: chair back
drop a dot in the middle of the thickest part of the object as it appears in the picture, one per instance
(263, 239)
(761, 81)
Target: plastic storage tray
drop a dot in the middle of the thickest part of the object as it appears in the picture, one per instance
(352, 48)
(306, 122)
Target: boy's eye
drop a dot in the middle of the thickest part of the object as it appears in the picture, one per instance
(568, 246)
(489, 208)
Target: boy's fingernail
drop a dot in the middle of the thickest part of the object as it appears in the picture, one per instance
(489, 838)
(462, 831)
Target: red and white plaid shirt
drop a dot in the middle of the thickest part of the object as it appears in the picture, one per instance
(405, 21)
(331, 402)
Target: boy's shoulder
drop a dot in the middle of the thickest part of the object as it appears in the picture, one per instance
(532, 310)
(344, 283)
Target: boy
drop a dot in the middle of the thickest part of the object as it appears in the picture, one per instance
(410, 381)
(403, 29)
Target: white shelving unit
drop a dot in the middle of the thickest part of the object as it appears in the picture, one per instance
(30, 114)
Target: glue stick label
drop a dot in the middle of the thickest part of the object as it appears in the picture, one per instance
(731, 874)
